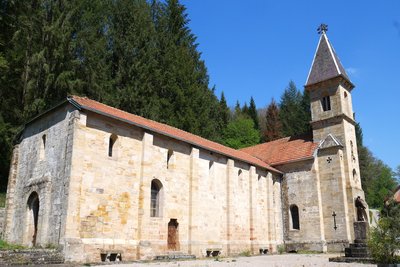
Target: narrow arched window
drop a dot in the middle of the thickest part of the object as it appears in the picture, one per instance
(240, 175)
(111, 144)
(169, 157)
(326, 103)
(156, 198)
(294, 213)
(355, 176)
(210, 164)
(352, 151)
(42, 151)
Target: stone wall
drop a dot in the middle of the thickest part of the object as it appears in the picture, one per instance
(218, 202)
(301, 188)
(40, 166)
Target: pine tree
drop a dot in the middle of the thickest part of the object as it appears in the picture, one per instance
(245, 110)
(273, 124)
(237, 110)
(294, 112)
(134, 58)
(187, 103)
(224, 111)
(253, 113)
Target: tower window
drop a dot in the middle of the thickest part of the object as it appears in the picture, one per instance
(111, 143)
(326, 103)
(294, 212)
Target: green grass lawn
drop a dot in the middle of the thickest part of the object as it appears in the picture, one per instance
(2, 200)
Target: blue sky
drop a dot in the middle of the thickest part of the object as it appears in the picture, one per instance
(255, 47)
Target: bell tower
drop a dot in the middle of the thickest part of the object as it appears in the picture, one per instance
(333, 128)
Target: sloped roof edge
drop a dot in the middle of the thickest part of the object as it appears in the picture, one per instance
(74, 100)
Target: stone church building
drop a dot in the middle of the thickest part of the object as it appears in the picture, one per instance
(98, 181)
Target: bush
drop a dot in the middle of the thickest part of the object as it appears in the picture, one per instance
(6, 246)
(384, 240)
(246, 253)
(281, 249)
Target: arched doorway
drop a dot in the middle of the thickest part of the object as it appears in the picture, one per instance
(173, 235)
(33, 217)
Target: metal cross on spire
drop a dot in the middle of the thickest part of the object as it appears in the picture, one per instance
(323, 28)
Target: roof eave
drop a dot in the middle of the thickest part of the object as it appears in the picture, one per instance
(270, 168)
(291, 161)
(351, 85)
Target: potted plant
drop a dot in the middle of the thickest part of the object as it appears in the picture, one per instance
(384, 240)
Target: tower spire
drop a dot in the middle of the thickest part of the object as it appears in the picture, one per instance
(326, 64)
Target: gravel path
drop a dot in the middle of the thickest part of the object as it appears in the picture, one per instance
(296, 260)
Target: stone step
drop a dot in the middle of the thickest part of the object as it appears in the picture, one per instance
(358, 245)
(174, 256)
(358, 252)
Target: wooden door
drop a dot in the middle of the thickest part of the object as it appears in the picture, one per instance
(173, 237)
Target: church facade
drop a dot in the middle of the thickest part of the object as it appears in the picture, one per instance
(97, 181)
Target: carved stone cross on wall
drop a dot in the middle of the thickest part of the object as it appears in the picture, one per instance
(329, 159)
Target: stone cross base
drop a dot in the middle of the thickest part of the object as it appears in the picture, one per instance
(361, 230)
(359, 248)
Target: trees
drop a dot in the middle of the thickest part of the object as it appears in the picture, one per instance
(139, 56)
(273, 128)
(294, 111)
(384, 241)
(240, 133)
(252, 112)
(377, 178)
(397, 174)
(381, 185)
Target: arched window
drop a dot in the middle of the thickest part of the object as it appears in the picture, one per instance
(156, 198)
(294, 212)
(42, 153)
(111, 144)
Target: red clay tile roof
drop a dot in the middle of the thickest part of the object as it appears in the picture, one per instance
(167, 130)
(283, 150)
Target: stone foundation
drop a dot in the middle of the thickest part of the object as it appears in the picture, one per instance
(31, 257)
